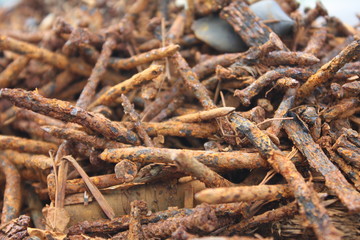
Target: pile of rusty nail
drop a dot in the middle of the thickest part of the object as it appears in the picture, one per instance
(213, 119)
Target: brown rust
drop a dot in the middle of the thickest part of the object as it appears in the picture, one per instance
(146, 57)
(352, 173)
(175, 128)
(26, 145)
(284, 107)
(9, 76)
(202, 218)
(318, 160)
(126, 170)
(343, 109)
(254, 88)
(200, 171)
(316, 41)
(215, 160)
(277, 58)
(80, 136)
(135, 117)
(207, 67)
(204, 115)
(162, 100)
(12, 194)
(35, 131)
(272, 215)
(42, 162)
(246, 24)
(55, 59)
(109, 97)
(329, 69)
(65, 111)
(138, 208)
(352, 87)
(348, 151)
(97, 73)
(244, 193)
(192, 81)
(169, 110)
(91, 50)
(306, 196)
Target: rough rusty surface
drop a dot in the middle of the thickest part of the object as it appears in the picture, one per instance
(12, 194)
(246, 24)
(109, 97)
(348, 151)
(80, 136)
(318, 160)
(138, 208)
(26, 145)
(290, 58)
(208, 66)
(244, 193)
(28, 160)
(316, 41)
(200, 171)
(148, 110)
(53, 87)
(9, 75)
(352, 87)
(135, 117)
(345, 108)
(154, 108)
(254, 88)
(202, 218)
(35, 130)
(169, 110)
(126, 170)
(352, 173)
(122, 223)
(175, 128)
(97, 73)
(55, 59)
(306, 196)
(329, 69)
(45, 55)
(204, 115)
(312, 14)
(142, 58)
(284, 107)
(65, 111)
(214, 160)
(192, 81)
(272, 215)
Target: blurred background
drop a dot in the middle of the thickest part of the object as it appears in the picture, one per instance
(346, 10)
